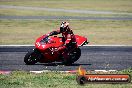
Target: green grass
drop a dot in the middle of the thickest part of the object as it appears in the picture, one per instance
(97, 32)
(21, 79)
(123, 6)
(110, 5)
(99, 5)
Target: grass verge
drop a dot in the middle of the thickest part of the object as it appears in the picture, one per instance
(21, 79)
(97, 32)
(108, 5)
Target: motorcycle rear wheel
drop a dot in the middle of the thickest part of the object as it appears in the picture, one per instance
(73, 56)
(31, 58)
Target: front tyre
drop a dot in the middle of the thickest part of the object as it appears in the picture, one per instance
(31, 58)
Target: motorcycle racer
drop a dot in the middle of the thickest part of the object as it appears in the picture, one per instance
(68, 37)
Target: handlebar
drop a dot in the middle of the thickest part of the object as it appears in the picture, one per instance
(46, 39)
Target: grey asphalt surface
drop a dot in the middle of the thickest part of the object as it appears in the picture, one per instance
(92, 58)
(128, 17)
(62, 10)
(64, 18)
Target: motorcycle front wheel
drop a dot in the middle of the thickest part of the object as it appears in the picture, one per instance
(31, 58)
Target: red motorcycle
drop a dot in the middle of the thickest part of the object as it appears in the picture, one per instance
(46, 50)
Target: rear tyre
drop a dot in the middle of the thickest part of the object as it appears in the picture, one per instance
(31, 58)
(73, 56)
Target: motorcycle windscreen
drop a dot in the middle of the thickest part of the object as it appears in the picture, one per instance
(81, 40)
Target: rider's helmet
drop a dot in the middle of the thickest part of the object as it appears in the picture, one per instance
(64, 26)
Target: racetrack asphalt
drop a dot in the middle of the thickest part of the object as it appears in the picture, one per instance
(63, 18)
(128, 17)
(62, 10)
(92, 58)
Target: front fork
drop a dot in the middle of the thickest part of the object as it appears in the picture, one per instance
(39, 54)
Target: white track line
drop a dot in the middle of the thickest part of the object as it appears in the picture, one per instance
(62, 10)
(70, 71)
(15, 45)
(105, 70)
(33, 45)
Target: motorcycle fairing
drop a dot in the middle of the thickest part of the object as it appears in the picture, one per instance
(46, 44)
(81, 40)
